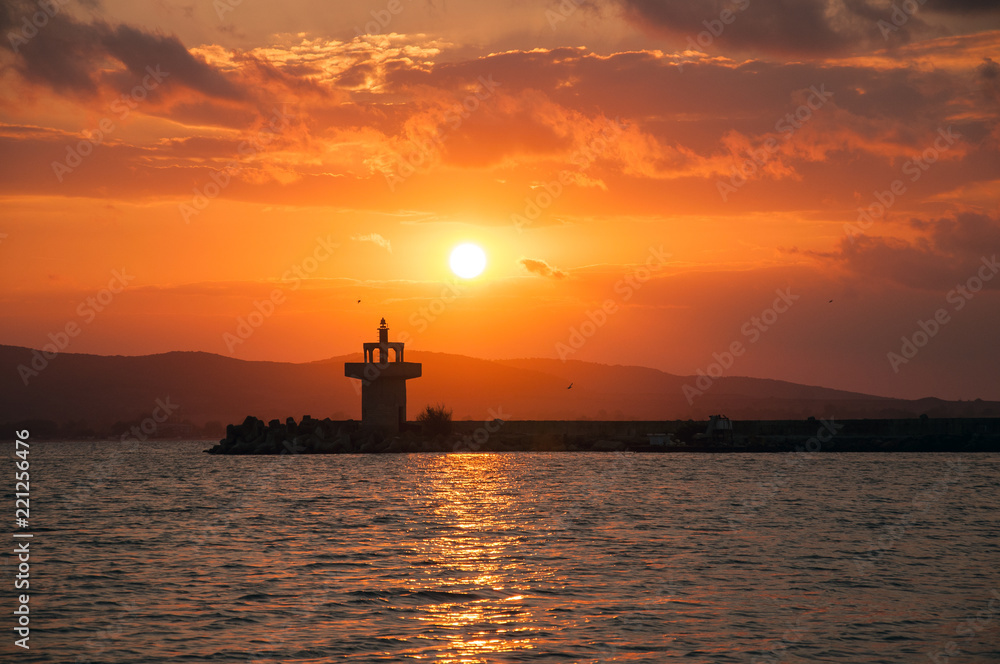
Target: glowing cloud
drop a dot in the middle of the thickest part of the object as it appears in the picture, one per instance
(374, 238)
(541, 268)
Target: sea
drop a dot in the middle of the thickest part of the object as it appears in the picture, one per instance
(161, 553)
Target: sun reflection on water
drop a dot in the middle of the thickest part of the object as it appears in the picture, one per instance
(474, 500)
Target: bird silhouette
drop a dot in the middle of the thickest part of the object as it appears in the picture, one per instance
(831, 300)
(359, 301)
(570, 386)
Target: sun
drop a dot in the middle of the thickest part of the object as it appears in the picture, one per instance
(467, 260)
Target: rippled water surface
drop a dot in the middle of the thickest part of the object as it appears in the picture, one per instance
(170, 555)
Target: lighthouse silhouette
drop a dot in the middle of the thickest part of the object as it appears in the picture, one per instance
(383, 383)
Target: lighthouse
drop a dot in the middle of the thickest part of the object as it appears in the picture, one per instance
(383, 383)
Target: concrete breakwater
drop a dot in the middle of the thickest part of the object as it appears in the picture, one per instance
(823, 434)
(311, 436)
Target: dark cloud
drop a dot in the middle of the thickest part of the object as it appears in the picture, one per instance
(789, 27)
(55, 50)
(796, 26)
(580, 80)
(138, 50)
(989, 70)
(948, 252)
(67, 55)
(989, 79)
(541, 268)
(357, 75)
(967, 234)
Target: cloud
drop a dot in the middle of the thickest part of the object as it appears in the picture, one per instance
(550, 118)
(374, 238)
(804, 27)
(989, 69)
(989, 77)
(541, 268)
(70, 56)
(945, 252)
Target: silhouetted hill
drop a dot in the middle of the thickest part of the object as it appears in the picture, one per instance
(76, 392)
(635, 393)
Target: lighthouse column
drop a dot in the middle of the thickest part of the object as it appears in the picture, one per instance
(383, 383)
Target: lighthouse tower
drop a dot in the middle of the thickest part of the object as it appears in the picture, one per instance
(383, 383)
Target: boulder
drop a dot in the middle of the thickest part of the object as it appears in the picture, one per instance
(373, 445)
(241, 447)
(330, 446)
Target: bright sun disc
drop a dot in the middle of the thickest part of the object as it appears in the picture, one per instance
(467, 261)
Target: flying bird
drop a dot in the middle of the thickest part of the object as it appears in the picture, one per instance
(830, 300)
(570, 386)
(359, 301)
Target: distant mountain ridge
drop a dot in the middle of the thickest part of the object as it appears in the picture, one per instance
(95, 392)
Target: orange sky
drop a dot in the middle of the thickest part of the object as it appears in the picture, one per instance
(219, 155)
